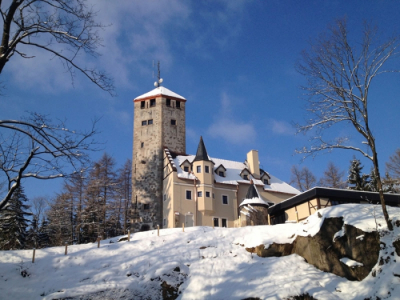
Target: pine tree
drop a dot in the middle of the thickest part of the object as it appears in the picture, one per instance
(43, 238)
(356, 180)
(13, 222)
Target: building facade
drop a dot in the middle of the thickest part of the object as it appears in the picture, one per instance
(171, 188)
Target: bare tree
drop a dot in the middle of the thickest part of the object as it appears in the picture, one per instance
(339, 77)
(393, 165)
(61, 28)
(304, 179)
(36, 148)
(333, 177)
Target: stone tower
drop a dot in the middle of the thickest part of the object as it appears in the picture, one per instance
(159, 121)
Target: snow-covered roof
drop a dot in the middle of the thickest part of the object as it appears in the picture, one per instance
(232, 175)
(161, 90)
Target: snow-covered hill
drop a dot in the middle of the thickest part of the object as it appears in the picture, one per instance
(204, 263)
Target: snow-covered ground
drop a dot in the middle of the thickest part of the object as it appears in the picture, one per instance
(209, 263)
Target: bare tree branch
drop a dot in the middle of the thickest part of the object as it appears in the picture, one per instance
(49, 24)
(339, 76)
(36, 148)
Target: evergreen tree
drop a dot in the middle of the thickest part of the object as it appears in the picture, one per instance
(356, 180)
(43, 237)
(13, 222)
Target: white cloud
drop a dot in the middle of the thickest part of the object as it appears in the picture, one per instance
(282, 128)
(232, 131)
(229, 128)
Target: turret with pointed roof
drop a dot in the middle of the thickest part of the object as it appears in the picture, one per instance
(201, 154)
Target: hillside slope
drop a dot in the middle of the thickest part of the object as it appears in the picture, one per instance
(200, 263)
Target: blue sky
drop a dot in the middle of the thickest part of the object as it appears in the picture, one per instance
(234, 62)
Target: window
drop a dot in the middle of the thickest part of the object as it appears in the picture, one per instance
(173, 122)
(141, 145)
(165, 222)
(188, 195)
(216, 222)
(144, 123)
(152, 102)
(246, 177)
(199, 194)
(165, 197)
(149, 122)
(213, 196)
(142, 104)
(178, 104)
(207, 169)
(221, 173)
(223, 223)
(186, 169)
(224, 199)
(266, 181)
(146, 206)
(168, 102)
(208, 194)
(198, 169)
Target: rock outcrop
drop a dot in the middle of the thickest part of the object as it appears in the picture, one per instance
(324, 250)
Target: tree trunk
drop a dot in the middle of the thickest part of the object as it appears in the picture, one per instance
(379, 183)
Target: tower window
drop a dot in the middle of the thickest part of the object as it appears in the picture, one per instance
(142, 104)
(199, 194)
(207, 169)
(198, 169)
(173, 122)
(152, 102)
(208, 194)
(178, 104)
(150, 122)
(224, 199)
(168, 102)
(141, 145)
(144, 123)
(188, 195)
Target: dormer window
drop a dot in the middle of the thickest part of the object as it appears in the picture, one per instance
(152, 102)
(245, 174)
(168, 102)
(266, 179)
(220, 170)
(186, 169)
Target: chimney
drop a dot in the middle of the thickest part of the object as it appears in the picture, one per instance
(253, 162)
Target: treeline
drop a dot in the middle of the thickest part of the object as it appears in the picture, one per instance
(356, 179)
(96, 202)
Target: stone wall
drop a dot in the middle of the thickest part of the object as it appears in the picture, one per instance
(147, 157)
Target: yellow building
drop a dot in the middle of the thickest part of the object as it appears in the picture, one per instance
(199, 190)
(170, 187)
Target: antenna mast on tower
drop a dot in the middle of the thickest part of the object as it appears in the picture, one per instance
(159, 79)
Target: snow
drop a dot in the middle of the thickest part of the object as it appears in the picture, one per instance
(350, 263)
(232, 175)
(160, 91)
(210, 264)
